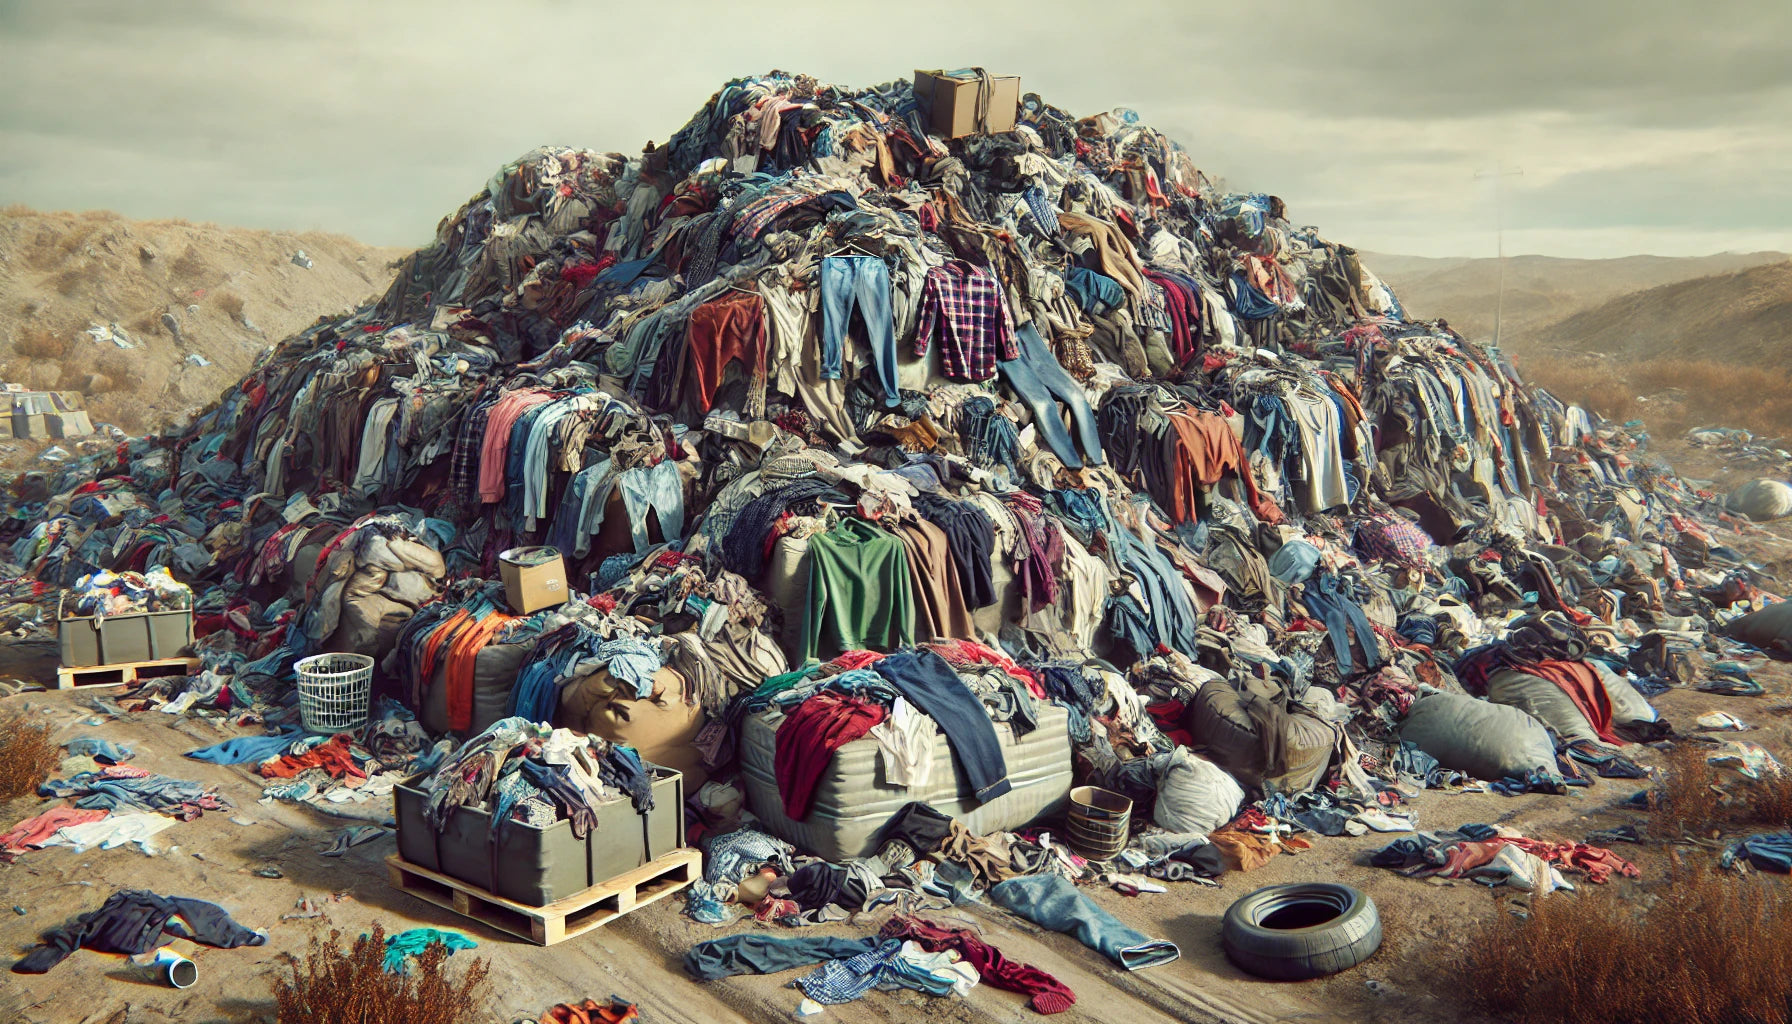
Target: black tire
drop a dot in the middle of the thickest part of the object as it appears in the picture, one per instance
(1300, 931)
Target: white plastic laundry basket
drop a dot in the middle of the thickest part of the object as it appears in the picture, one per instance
(333, 691)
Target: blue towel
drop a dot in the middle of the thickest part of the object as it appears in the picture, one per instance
(245, 749)
(103, 751)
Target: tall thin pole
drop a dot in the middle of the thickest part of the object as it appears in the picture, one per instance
(1499, 234)
(1499, 221)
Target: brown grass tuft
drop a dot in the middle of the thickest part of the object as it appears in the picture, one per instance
(191, 266)
(332, 986)
(68, 282)
(1696, 798)
(231, 303)
(27, 757)
(146, 323)
(41, 343)
(1707, 949)
(115, 370)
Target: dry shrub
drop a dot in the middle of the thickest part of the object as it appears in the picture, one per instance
(1697, 392)
(1709, 949)
(129, 417)
(69, 281)
(190, 266)
(116, 372)
(75, 238)
(1696, 798)
(41, 343)
(146, 323)
(231, 303)
(16, 210)
(353, 987)
(69, 376)
(27, 757)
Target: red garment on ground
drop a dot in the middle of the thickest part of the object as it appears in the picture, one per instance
(1597, 862)
(808, 738)
(32, 832)
(332, 756)
(592, 1012)
(1049, 994)
(1580, 681)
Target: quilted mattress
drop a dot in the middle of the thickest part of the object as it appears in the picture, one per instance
(853, 800)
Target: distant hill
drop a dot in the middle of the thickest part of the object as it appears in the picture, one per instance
(1743, 318)
(1541, 291)
(227, 292)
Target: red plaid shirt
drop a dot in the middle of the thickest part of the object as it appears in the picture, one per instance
(964, 305)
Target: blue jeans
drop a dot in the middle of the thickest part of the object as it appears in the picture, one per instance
(581, 510)
(1041, 383)
(936, 691)
(660, 489)
(1051, 901)
(1339, 611)
(866, 281)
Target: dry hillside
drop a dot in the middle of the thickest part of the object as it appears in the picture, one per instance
(1540, 290)
(1743, 318)
(1707, 352)
(175, 289)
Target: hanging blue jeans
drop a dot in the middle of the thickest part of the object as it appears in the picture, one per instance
(581, 509)
(1326, 597)
(1173, 619)
(660, 489)
(1041, 383)
(863, 281)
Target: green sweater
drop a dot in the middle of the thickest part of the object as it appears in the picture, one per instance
(858, 591)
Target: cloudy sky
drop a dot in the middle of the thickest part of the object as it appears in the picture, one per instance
(1621, 126)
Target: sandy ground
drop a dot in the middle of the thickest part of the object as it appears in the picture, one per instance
(638, 957)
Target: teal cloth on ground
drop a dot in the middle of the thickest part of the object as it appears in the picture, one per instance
(411, 943)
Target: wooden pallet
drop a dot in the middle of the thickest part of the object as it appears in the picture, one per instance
(125, 672)
(562, 919)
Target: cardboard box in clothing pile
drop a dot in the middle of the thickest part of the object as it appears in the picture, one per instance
(534, 578)
(660, 726)
(948, 100)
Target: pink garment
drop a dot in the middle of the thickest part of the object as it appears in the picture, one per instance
(33, 832)
(496, 444)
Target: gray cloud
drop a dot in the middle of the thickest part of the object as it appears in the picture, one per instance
(1639, 126)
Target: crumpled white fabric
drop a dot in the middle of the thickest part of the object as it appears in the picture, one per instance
(112, 832)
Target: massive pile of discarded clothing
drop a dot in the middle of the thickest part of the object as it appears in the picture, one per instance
(974, 468)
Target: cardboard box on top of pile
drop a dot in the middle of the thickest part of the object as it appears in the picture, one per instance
(534, 578)
(948, 102)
